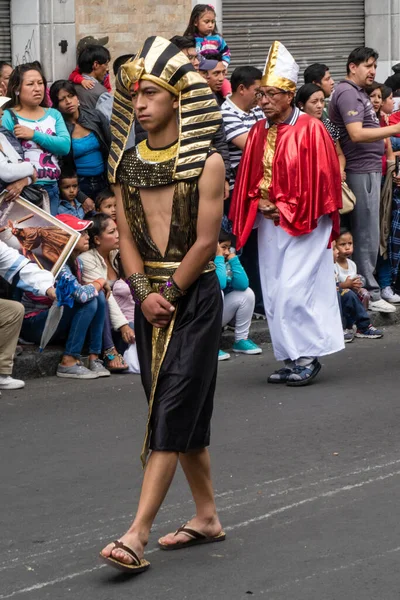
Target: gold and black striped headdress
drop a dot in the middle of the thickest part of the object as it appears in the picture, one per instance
(199, 115)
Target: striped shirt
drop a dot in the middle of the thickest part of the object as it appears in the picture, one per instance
(237, 122)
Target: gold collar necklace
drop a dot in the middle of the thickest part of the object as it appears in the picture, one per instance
(157, 155)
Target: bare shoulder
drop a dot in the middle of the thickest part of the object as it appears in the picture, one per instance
(214, 166)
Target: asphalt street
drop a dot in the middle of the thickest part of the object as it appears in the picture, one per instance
(307, 483)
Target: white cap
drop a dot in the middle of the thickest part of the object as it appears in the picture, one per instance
(281, 70)
(4, 100)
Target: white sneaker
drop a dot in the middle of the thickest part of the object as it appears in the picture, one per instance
(381, 306)
(390, 296)
(8, 383)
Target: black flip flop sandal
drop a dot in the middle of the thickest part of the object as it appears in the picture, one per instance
(195, 539)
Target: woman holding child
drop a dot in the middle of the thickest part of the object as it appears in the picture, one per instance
(41, 130)
(90, 134)
(15, 172)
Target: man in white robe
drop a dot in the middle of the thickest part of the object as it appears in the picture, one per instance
(289, 187)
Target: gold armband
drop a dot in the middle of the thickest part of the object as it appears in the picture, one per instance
(170, 291)
(140, 287)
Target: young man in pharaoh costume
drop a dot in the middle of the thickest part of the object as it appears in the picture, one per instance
(169, 192)
(289, 186)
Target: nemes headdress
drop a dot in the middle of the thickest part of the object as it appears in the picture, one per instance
(281, 70)
(199, 115)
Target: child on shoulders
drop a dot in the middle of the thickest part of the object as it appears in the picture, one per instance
(202, 26)
(239, 299)
(76, 75)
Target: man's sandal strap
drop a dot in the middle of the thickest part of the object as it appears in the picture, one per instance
(190, 532)
(132, 553)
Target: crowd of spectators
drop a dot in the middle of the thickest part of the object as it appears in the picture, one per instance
(60, 138)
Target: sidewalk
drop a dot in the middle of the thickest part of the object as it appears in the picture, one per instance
(32, 363)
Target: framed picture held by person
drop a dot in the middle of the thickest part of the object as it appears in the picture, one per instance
(43, 239)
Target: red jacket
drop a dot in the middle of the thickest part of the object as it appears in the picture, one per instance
(76, 77)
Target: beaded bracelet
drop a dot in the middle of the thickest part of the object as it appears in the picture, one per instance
(140, 287)
(170, 291)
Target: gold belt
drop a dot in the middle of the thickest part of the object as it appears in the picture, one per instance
(159, 271)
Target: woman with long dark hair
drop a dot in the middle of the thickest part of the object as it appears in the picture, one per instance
(102, 261)
(311, 99)
(40, 129)
(90, 134)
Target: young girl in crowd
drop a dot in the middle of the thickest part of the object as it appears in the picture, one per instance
(387, 106)
(346, 269)
(101, 261)
(106, 203)
(239, 299)
(353, 311)
(203, 27)
(85, 316)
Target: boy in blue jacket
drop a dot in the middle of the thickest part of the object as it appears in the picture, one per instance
(239, 299)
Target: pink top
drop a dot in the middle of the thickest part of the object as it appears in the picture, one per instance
(123, 296)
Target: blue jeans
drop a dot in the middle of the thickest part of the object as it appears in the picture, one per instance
(91, 186)
(112, 338)
(54, 196)
(75, 323)
(395, 141)
(383, 272)
(353, 311)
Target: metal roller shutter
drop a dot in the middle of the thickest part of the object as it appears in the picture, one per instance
(5, 30)
(315, 31)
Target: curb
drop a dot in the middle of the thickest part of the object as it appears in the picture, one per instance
(32, 364)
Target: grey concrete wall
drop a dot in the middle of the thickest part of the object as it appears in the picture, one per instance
(382, 32)
(37, 28)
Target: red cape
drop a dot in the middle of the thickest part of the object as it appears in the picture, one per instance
(305, 184)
